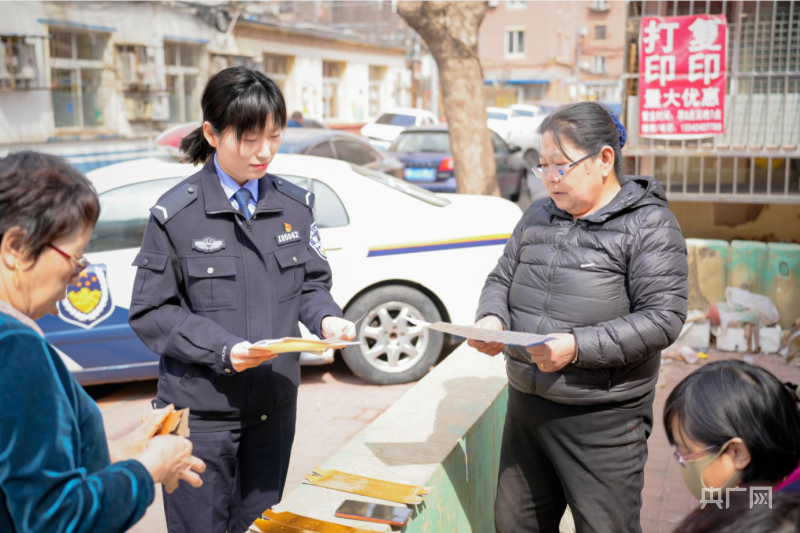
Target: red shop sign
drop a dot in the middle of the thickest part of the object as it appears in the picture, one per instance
(682, 63)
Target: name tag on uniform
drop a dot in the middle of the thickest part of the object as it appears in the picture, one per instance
(287, 237)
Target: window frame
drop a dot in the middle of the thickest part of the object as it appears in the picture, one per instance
(514, 42)
(181, 71)
(145, 213)
(308, 184)
(597, 29)
(373, 153)
(308, 150)
(77, 66)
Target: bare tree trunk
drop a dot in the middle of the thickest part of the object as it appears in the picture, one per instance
(450, 29)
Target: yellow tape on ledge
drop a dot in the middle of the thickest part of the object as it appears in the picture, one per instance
(365, 486)
(304, 523)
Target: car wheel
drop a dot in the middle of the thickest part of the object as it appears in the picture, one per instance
(393, 350)
(531, 158)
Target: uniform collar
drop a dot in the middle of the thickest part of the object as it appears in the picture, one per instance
(230, 186)
(217, 201)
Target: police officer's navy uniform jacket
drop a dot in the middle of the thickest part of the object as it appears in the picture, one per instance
(208, 279)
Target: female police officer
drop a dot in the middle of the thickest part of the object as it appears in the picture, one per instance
(231, 256)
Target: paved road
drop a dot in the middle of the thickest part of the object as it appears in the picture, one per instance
(333, 407)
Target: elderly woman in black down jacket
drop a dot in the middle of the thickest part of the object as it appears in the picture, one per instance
(601, 266)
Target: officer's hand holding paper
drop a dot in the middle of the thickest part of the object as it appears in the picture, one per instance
(338, 333)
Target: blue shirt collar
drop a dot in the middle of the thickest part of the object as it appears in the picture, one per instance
(230, 186)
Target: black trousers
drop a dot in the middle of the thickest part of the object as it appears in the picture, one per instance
(245, 475)
(590, 457)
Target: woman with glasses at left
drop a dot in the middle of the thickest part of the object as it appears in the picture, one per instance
(57, 470)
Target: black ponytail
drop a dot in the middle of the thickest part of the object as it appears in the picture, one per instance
(196, 147)
(239, 97)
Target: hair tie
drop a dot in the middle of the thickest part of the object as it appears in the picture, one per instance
(623, 135)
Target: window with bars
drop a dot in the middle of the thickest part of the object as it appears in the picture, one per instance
(77, 65)
(331, 84)
(376, 77)
(222, 61)
(754, 158)
(277, 68)
(183, 80)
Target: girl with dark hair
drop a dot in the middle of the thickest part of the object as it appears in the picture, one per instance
(601, 267)
(734, 424)
(57, 470)
(232, 256)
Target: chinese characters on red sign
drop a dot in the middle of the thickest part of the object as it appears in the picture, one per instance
(682, 76)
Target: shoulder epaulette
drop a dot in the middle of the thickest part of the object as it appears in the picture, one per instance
(294, 192)
(174, 201)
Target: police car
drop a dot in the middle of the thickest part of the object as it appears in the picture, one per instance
(396, 251)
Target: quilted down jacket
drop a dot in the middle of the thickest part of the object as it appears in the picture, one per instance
(616, 279)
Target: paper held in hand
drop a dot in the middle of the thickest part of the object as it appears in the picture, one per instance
(293, 344)
(486, 335)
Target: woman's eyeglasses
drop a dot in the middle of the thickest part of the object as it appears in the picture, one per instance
(80, 263)
(689, 456)
(559, 171)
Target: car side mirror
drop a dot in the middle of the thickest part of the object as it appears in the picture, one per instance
(514, 149)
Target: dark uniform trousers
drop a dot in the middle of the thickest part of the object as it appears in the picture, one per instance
(227, 500)
(590, 457)
(208, 279)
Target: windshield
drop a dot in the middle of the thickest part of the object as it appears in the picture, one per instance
(497, 116)
(396, 120)
(402, 186)
(521, 113)
(437, 142)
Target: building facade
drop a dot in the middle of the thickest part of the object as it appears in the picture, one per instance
(100, 70)
(552, 51)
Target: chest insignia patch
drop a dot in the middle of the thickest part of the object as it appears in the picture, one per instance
(208, 245)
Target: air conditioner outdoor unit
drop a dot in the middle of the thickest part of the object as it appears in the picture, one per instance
(127, 68)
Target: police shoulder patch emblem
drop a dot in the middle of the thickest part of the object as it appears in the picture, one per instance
(88, 301)
(316, 242)
(208, 245)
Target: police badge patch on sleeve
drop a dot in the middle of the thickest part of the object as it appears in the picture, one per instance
(316, 242)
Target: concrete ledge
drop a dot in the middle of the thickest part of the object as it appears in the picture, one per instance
(445, 433)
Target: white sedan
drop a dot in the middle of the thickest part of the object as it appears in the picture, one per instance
(396, 250)
(389, 124)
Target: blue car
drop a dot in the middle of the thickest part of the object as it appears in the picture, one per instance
(428, 161)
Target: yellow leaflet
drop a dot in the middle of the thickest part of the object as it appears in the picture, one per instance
(265, 526)
(311, 524)
(365, 486)
(295, 345)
